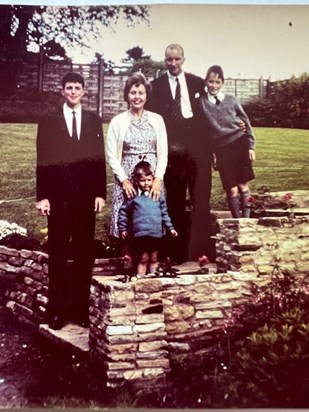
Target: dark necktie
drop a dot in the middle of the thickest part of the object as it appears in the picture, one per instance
(74, 128)
(176, 112)
(217, 100)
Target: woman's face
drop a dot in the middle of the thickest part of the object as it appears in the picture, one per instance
(137, 97)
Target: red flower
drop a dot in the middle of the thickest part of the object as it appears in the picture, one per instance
(203, 260)
(288, 196)
(127, 259)
(251, 199)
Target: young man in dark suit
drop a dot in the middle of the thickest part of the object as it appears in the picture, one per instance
(71, 189)
(175, 97)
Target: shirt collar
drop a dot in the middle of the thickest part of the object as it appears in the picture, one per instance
(68, 110)
(212, 99)
(181, 76)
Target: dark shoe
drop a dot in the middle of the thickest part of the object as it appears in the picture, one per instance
(56, 322)
(82, 321)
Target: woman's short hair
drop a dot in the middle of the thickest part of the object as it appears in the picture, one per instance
(136, 80)
(216, 70)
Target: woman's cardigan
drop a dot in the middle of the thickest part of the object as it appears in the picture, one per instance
(115, 136)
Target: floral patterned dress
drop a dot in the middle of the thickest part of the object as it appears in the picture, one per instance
(140, 143)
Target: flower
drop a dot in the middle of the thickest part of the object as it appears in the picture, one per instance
(251, 199)
(288, 196)
(203, 260)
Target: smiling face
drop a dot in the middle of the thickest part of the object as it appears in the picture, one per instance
(137, 97)
(174, 60)
(214, 83)
(73, 93)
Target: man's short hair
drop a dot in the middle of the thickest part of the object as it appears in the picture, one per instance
(72, 77)
(175, 46)
(136, 79)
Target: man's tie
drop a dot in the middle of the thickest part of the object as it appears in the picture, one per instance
(74, 127)
(217, 100)
(176, 112)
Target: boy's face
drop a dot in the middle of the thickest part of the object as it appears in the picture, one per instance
(214, 84)
(73, 92)
(145, 183)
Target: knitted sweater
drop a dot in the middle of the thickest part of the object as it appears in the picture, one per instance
(142, 216)
(222, 121)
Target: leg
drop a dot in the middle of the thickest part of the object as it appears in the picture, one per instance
(58, 245)
(244, 193)
(233, 201)
(83, 223)
(142, 264)
(175, 181)
(153, 261)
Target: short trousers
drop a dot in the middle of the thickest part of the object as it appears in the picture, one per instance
(146, 244)
(234, 164)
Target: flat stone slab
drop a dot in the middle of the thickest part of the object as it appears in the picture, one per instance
(71, 337)
(193, 267)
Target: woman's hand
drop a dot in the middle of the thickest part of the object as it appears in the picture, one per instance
(155, 190)
(128, 188)
(252, 155)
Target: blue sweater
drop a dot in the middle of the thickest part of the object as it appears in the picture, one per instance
(142, 216)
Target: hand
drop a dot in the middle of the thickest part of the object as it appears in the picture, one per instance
(214, 161)
(43, 206)
(173, 233)
(124, 234)
(252, 155)
(242, 126)
(99, 203)
(128, 188)
(155, 190)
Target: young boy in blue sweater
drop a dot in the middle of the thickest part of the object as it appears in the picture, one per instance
(144, 220)
(233, 148)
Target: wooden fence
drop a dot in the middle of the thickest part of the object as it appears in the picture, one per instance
(104, 91)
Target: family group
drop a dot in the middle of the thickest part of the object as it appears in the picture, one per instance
(161, 151)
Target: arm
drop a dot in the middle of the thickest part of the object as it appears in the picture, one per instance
(114, 147)
(248, 129)
(99, 164)
(123, 219)
(166, 220)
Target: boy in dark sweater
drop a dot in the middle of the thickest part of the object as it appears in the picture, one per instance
(144, 220)
(233, 148)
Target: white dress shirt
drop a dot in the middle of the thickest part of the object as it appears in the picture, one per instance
(68, 115)
(185, 100)
(212, 99)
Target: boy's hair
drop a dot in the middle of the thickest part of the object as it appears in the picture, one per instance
(72, 77)
(142, 168)
(216, 70)
(136, 79)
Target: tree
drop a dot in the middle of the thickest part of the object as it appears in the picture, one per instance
(22, 27)
(137, 60)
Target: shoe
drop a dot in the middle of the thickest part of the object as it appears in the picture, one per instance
(83, 322)
(56, 322)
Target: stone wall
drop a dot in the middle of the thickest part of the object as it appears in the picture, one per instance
(140, 330)
(255, 246)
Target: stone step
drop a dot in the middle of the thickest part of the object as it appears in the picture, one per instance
(72, 337)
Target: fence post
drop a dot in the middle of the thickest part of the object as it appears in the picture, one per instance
(100, 86)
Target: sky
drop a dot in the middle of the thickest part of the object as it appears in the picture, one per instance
(251, 40)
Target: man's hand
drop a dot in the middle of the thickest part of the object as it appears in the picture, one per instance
(173, 233)
(128, 188)
(155, 189)
(43, 206)
(99, 203)
(252, 155)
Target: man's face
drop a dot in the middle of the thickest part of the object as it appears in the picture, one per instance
(73, 92)
(174, 60)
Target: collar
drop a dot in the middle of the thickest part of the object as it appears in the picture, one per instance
(212, 99)
(140, 192)
(171, 77)
(69, 110)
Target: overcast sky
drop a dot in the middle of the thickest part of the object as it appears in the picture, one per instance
(248, 40)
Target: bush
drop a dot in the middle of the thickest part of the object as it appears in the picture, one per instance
(28, 107)
(270, 368)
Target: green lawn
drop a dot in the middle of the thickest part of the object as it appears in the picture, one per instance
(282, 164)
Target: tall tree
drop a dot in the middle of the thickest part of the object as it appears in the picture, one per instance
(24, 26)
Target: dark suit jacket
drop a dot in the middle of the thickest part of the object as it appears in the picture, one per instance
(65, 168)
(161, 101)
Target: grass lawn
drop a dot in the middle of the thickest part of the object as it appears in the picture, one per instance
(282, 164)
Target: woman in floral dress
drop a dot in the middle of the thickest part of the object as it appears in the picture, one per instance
(132, 136)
